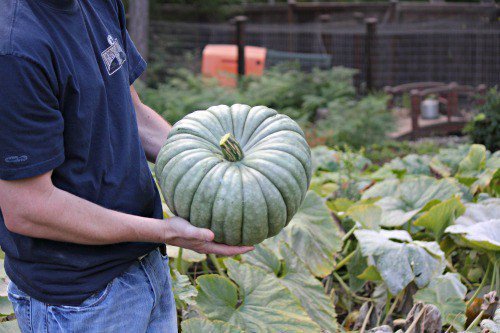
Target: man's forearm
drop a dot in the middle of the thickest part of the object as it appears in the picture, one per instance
(62, 216)
(153, 129)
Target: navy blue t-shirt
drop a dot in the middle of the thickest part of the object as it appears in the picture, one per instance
(66, 67)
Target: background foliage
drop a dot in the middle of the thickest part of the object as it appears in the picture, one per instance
(324, 102)
(485, 127)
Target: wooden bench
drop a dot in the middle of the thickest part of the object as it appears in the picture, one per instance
(448, 96)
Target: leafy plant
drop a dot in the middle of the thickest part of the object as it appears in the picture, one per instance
(405, 248)
(357, 122)
(298, 94)
(485, 127)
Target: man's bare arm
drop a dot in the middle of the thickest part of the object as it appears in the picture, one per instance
(35, 207)
(153, 129)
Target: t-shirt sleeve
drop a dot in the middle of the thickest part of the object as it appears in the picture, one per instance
(136, 64)
(31, 125)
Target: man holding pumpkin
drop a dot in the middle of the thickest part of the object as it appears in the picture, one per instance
(81, 218)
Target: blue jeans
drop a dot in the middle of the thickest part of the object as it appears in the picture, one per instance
(139, 300)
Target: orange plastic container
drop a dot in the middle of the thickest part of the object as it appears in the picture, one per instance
(221, 62)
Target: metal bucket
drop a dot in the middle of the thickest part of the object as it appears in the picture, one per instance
(429, 109)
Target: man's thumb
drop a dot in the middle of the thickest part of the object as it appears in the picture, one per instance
(204, 234)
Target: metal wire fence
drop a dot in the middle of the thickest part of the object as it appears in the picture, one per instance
(400, 53)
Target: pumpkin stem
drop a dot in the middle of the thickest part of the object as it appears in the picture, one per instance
(231, 149)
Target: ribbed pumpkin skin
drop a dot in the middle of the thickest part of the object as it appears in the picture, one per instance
(242, 202)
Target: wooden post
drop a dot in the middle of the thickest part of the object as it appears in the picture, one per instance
(415, 112)
(291, 42)
(138, 25)
(370, 40)
(390, 100)
(481, 89)
(240, 42)
(452, 101)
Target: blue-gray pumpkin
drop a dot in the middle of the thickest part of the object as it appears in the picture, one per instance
(240, 171)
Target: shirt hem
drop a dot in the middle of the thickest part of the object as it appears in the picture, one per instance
(68, 300)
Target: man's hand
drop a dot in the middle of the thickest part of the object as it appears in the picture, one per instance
(182, 234)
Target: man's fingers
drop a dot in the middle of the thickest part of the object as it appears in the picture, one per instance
(226, 250)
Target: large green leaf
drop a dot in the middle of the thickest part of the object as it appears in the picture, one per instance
(440, 216)
(370, 274)
(4, 281)
(492, 325)
(9, 327)
(184, 291)
(265, 258)
(493, 161)
(484, 235)
(446, 292)
(451, 157)
(324, 158)
(187, 255)
(295, 276)
(382, 189)
(355, 267)
(479, 226)
(5, 307)
(368, 216)
(403, 200)
(399, 260)
(256, 302)
(478, 169)
(203, 325)
(313, 235)
(409, 165)
(488, 209)
(474, 162)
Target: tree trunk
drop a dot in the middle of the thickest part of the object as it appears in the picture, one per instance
(138, 25)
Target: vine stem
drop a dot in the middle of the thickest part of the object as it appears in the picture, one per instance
(349, 233)
(205, 266)
(454, 270)
(481, 285)
(367, 318)
(494, 277)
(218, 267)
(475, 321)
(230, 147)
(178, 261)
(344, 261)
(415, 321)
(348, 290)
(393, 306)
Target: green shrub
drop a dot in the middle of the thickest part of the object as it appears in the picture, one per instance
(184, 93)
(485, 127)
(356, 122)
(298, 94)
(382, 152)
